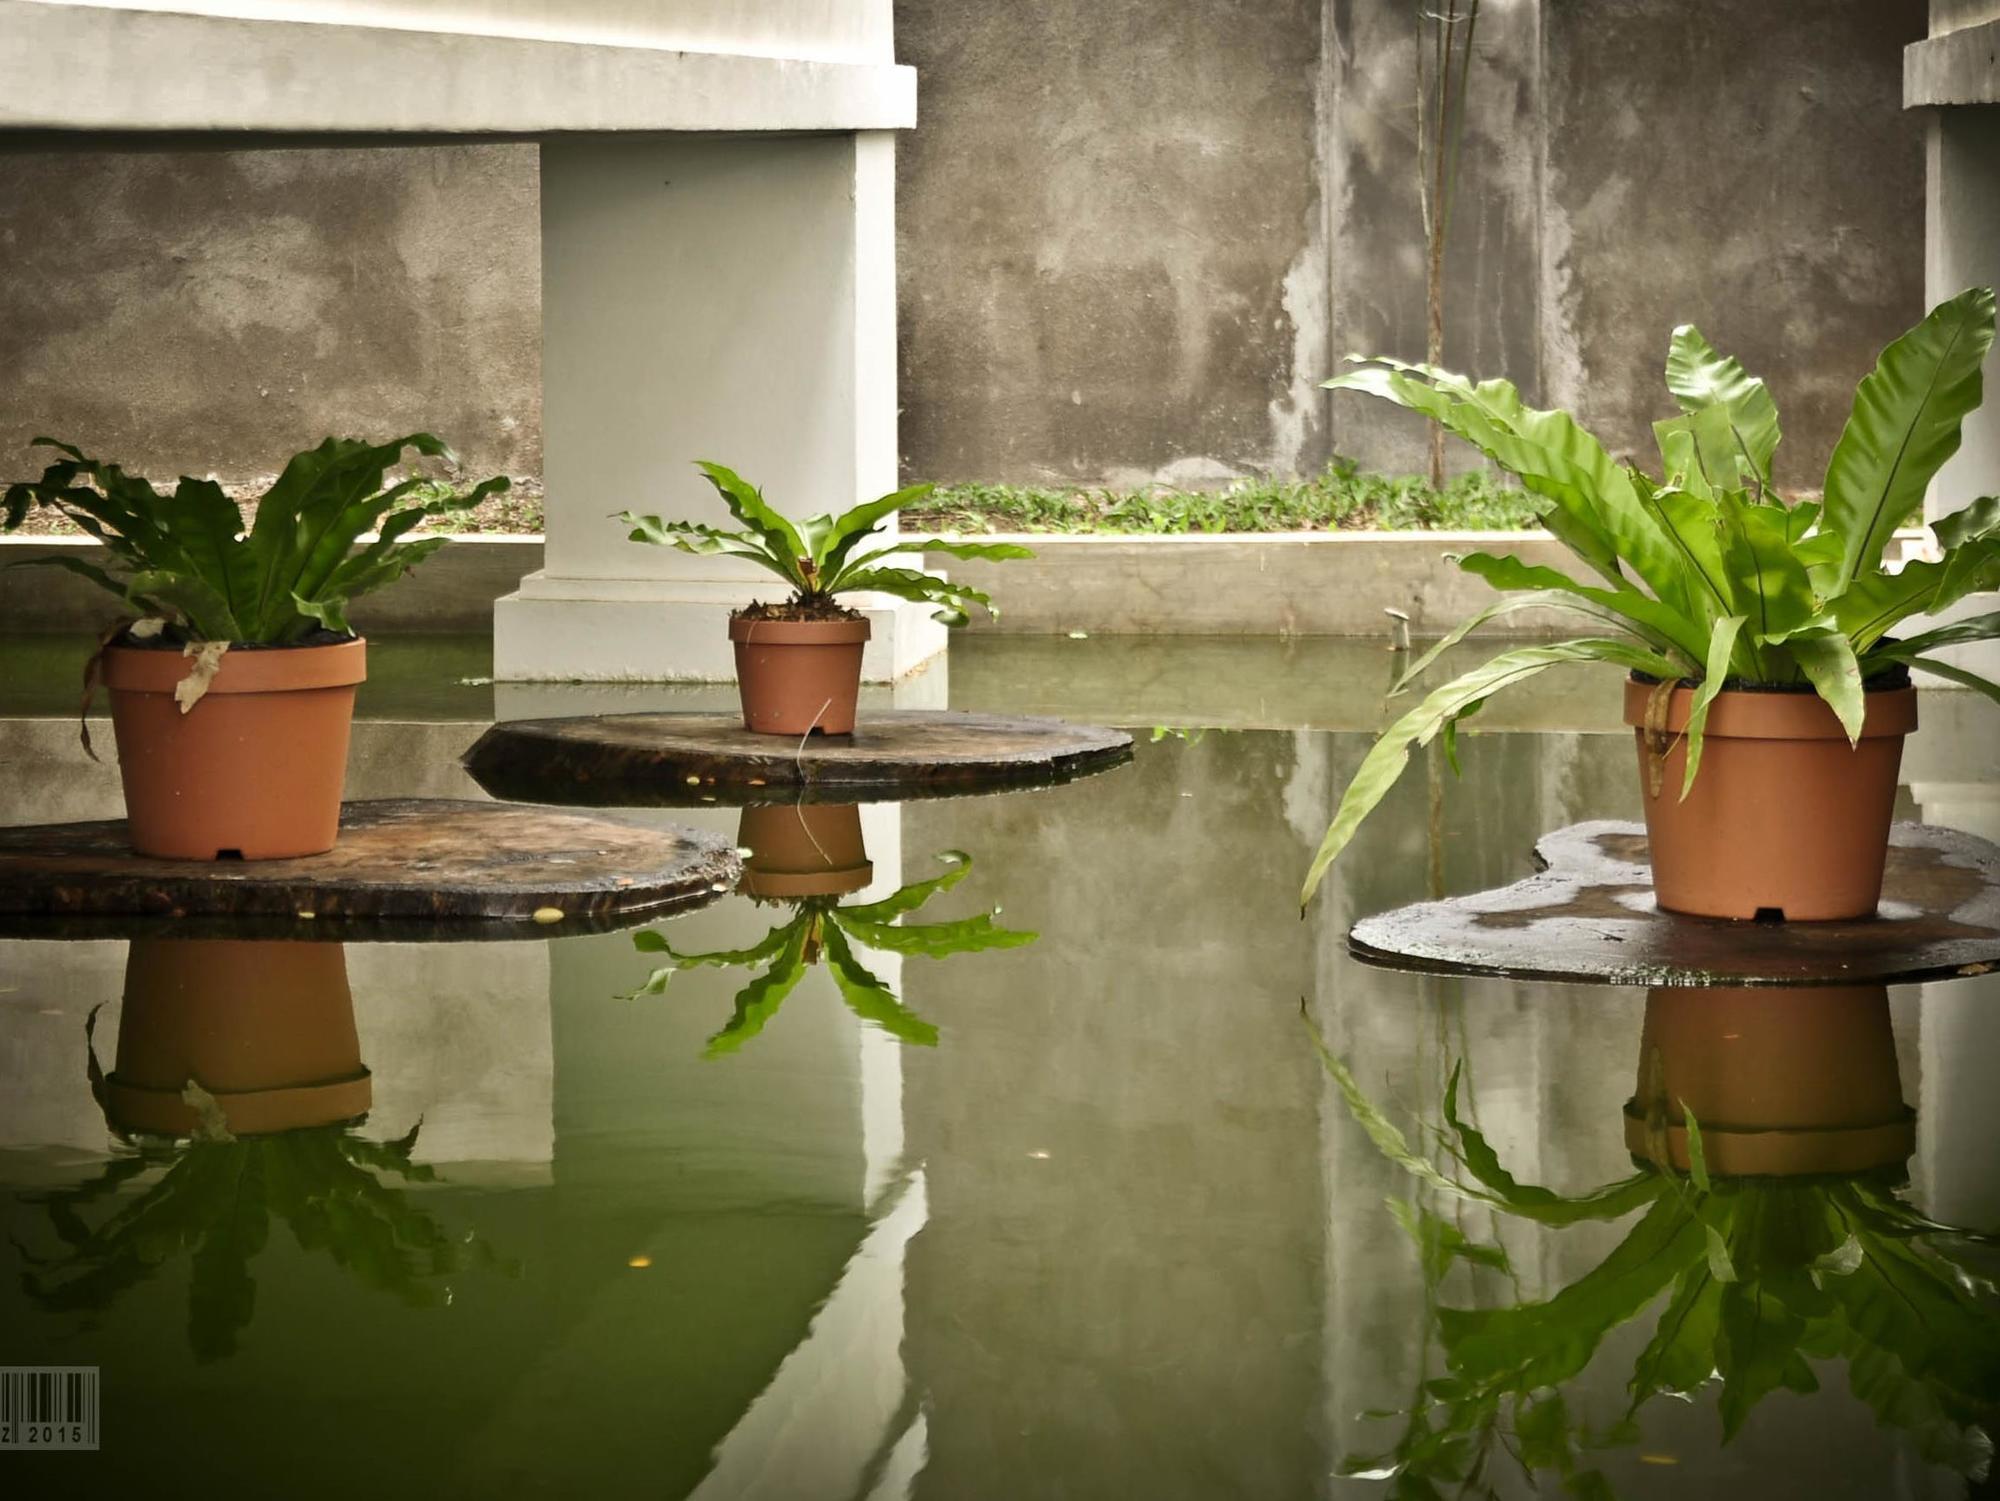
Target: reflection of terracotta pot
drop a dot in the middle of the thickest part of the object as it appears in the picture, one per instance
(267, 1027)
(1783, 1081)
(808, 849)
(254, 769)
(1785, 816)
(798, 676)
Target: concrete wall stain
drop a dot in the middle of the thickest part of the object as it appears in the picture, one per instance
(1747, 168)
(1097, 216)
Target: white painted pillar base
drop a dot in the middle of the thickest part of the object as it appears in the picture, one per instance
(730, 298)
(583, 630)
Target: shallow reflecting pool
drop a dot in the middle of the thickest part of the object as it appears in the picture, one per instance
(1033, 1147)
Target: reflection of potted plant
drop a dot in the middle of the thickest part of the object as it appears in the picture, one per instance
(1784, 1081)
(822, 930)
(1756, 629)
(265, 1029)
(798, 664)
(232, 678)
(216, 1196)
(224, 1165)
(1760, 1277)
(803, 849)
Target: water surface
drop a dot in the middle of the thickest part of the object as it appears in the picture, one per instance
(1085, 1216)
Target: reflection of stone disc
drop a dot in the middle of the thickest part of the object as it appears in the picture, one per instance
(683, 760)
(416, 869)
(1591, 916)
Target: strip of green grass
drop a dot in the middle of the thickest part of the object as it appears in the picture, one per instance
(1342, 499)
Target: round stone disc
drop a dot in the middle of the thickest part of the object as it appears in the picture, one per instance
(403, 869)
(1590, 916)
(682, 760)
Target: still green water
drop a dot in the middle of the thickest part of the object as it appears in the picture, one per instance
(963, 1215)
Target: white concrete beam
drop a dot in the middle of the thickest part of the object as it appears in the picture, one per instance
(104, 67)
(849, 31)
(1956, 67)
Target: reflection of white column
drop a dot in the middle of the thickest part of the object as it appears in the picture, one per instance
(704, 297)
(47, 990)
(458, 1035)
(881, 1054)
(1958, 1113)
(839, 1400)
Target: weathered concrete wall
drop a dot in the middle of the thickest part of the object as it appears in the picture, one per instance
(1744, 167)
(1377, 265)
(1627, 168)
(1109, 237)
(197, 311)
(1101, 278)
(1133, 236)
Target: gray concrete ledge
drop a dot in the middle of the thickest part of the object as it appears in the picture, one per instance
(1284, 584)
(1264, 584)
(1959, 67)
(88, 67)
(1280, 584)
(453, 592)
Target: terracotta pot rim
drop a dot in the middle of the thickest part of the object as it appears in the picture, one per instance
(785, 885)
(273, 669)
(1785, 1151)
(248, 1112)
(798, 632)
(1747, 714)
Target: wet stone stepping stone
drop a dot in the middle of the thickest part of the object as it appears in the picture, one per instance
(685, 760)
(1590, 916)
(403, 869)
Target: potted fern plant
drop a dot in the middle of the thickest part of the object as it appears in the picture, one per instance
(232, 669)
(798, 662)
(1768, 698)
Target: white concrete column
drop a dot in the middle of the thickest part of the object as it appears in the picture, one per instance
(705, 297)
(1962, 249)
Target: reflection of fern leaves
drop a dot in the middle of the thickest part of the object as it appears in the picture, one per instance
(1767, 1276)
(222, 1296)
(218, 1199)
(821, 928)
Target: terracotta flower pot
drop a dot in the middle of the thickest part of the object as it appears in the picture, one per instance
(1783, 1081)
(811, 849)
(254, 769)
(267, 1027)
(1786, 818)
(798, 676)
